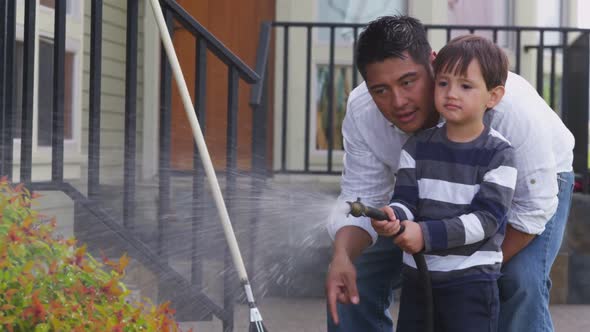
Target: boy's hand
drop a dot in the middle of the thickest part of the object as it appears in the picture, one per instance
(412, 239)
(386, 227)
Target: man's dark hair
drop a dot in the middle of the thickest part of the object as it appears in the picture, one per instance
(456, 56)
(389, 37)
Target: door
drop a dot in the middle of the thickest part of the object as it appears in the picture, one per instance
(236, 24)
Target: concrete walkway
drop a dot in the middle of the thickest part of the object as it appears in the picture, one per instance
(308, 315)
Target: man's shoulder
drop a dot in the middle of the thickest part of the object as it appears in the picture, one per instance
(498, 141)
(360, 102)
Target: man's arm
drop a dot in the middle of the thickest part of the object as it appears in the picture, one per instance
(514, 241)
(349, 243)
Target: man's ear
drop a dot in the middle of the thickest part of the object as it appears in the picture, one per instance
(496, 95)
(432, 56)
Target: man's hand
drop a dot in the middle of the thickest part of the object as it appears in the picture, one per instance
(412, 239)
(386, 227)
(514, 242)
(341, 284)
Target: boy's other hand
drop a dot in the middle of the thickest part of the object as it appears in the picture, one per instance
(386, 227)
(412, 239)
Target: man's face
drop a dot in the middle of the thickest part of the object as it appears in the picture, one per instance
(403, 92)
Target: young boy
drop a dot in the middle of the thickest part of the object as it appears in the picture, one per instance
(453, 190)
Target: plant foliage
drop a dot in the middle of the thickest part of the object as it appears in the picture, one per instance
(51, 284)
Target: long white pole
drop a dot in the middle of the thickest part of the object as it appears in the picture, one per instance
(203, 152)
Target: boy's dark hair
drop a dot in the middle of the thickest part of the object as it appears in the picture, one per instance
(458, 53)
(390, 36)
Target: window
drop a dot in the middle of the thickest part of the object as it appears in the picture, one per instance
(354, 11)
(341, 11)
(481, 12)
(341, 90)
(43, 78)
(45, 93)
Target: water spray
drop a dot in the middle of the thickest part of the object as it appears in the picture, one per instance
(358, 209)
(256, 324)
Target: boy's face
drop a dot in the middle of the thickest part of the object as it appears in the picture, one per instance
(403, 92)
(464, 99)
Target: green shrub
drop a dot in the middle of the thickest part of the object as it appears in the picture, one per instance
(50, 284)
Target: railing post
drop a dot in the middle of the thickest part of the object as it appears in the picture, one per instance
(164, 157)
(28, 80)
(130, 115)
(307, 99)
(285, 99)
(330, 131)
(230, 176)
(540, 52)
(3, 80)
(198, 173)
(9, 87)
(94, 100)
(59, 54)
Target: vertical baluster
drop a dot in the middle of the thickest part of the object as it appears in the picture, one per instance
(307, 99)
(164, 141)
(330, 128)
(3, 82)
(130, 115)
(285, 98)
(198, 174)
(564, 46)
(552, 80)
(354, 71)
(540, 52)
(59, 54)
(94, 99)
(9, 78)
(230, 171)
(518, 51)
(28, 80)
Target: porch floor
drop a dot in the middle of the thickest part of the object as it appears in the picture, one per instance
(308, 315)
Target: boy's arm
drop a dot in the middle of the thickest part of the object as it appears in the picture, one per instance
(489, 208)
(405, 194)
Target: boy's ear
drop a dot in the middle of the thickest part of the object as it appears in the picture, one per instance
(496, 95)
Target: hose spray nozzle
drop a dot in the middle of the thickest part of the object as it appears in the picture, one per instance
(358, 209)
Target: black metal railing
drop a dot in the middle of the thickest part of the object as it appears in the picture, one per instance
(323, 51)
(155, 259)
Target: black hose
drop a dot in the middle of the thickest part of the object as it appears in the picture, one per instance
(374, 213)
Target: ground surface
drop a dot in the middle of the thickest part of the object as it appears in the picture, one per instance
(308, 315)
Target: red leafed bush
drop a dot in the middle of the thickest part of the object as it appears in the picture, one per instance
(50, 284)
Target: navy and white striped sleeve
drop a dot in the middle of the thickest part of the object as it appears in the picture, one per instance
(489, 208)
(405, 193)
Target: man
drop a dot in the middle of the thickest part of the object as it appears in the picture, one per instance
(396, 100)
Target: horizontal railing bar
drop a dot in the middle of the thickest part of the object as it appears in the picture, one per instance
(333, 172)
(433, 26)
(549, 47)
